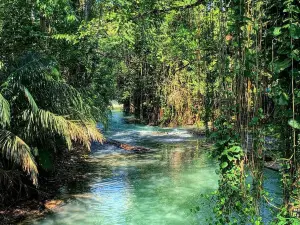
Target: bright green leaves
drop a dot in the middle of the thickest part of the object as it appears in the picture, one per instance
(294, 30)
(233, 153)
(277, 31)
(70, 38)
(224, 165)
(71, 18)
(280, 96)
(294, 124)
(227, 149)
(291, 8)
(232, 193)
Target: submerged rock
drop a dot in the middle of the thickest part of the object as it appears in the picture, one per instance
(53, 204)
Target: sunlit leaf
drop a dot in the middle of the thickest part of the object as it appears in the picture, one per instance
(277, 31)
(224, 165)
(294, 124)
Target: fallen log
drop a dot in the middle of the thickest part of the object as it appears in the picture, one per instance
(126, 147)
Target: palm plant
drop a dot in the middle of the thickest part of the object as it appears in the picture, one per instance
(38, 107)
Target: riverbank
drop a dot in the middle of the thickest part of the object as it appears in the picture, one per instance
(45, 200)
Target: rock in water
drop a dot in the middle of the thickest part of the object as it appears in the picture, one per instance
(53, 204)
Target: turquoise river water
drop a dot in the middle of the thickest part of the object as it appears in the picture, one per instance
(164, 186)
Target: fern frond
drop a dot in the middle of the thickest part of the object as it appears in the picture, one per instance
(4, 112)
(14, 148)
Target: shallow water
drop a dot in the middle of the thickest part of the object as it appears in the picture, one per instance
(164, 186)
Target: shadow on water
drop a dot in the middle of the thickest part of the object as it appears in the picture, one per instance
(159, 187)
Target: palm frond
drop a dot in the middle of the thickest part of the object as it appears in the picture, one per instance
(30, 99)
(70, 130)
(93, 133)
(61, 96)
(4, 112)
(44, 82)
(14, 148)
(78, 134)
(85, 132)
(48, 122)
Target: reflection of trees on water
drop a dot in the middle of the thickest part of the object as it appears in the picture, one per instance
(171, 159)
(87, 173)
(178, 154)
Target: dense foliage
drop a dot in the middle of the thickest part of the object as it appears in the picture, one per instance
(49, 97)
(231, 66)
(209, 61)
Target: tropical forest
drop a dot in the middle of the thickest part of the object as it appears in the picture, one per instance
(150, 112)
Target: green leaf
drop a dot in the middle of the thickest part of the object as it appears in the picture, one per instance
(230, 158)
(235, 149)
(30, 99)
(283, 99)
(4, 111)
(277, 31)
(71, 18)
(296, 54)
(254, 120)
(294, 124)
(55, 74)
(224, 165)
(295, 31)
(282, 65)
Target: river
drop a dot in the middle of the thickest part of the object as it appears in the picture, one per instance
(165, 186)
